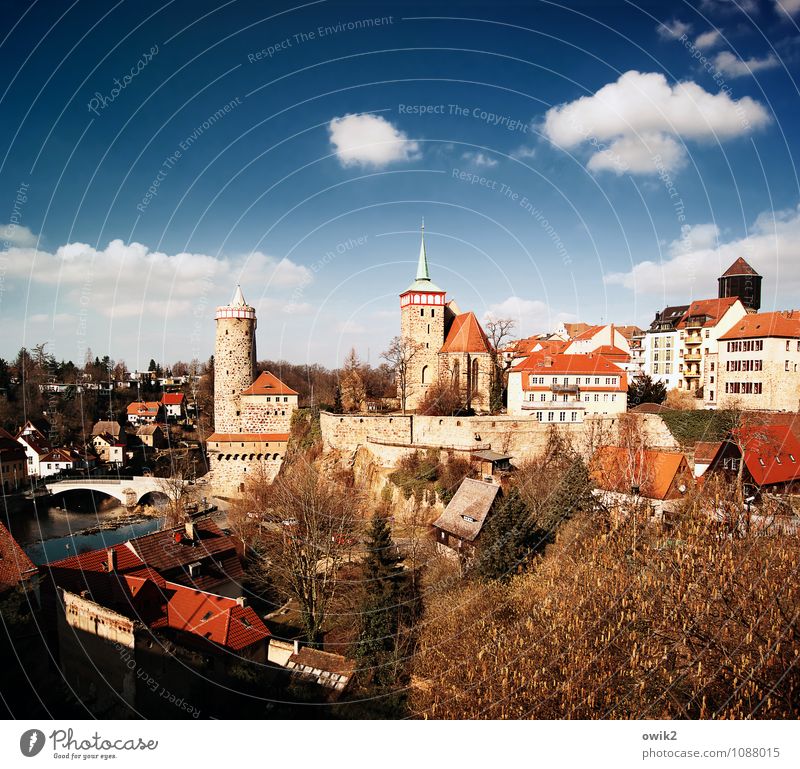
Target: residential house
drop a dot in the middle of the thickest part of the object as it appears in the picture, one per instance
(623, 476)
(566, 388)
(113, 428)
(145, 412)
(596, 337)
(151, 435)
(460, 525)
(698, 333)
(110, 450)
(13, 463)
(60, 460)
(35, 447)
(661, 346)
(758, 363)
(174, 406)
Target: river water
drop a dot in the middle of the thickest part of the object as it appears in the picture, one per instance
(49, 530)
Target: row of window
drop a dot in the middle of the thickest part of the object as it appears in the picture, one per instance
(539, 380)
(565, 397)
(562, 416)
(747, 345)
(745, 365)
(744, 388)
(422, 299)
(277, 399)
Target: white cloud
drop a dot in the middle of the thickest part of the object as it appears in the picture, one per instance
(640, 111)
(479, 159)
(729, 6)
(733, 66)
(523, 153)
(16, 235)
(530, 315)
(670, 30)
(789, 6)
(708, 39)
(350, 327)
(43, 317)
(129, 280)
(369, 140)
(693, 263)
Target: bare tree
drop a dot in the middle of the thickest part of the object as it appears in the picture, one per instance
(178, 490)
(400, 355)
(500, 332)
(310, 525)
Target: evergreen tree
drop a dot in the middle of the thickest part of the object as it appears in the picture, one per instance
(507, 538)
(337, 400)
(644, 389)
(380, 605)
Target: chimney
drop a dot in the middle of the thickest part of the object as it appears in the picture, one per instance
(548, 361)
(112, 559)
(297, 647)
(242, 601)
(190, 530)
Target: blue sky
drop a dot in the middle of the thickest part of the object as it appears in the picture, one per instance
(591, 161)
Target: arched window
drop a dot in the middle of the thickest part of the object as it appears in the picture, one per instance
(275, 456)
(424, 375)
(456, 371)
(474, 375)
(260, 457)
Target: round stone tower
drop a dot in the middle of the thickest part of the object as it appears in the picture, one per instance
(234, 361)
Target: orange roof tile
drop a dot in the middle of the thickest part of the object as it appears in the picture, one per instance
(268, 384)
(580, 363)
(766, 324)
(147, 408)
(466, 335)
(172, 399)
(713, 309)
(616, 469)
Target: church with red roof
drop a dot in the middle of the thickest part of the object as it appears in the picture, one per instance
(448, 345)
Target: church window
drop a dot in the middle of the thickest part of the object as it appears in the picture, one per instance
(424, 375)
(474, 376)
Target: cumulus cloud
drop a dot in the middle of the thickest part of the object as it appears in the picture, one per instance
(16, 235)
(530, 315)
(523, 153)
(640, 111)
(733, 66)
(128, 280)
(671, 30)
(479, 159)
(694, 261)
(708, 40)
(369, 140)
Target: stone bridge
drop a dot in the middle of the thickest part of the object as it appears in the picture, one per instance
(129, 491)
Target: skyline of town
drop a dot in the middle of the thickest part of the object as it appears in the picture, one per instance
(307, 183)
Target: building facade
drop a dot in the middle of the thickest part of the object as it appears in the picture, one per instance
(565, 388)
(661, 346)
(758, 363)
(742, 281)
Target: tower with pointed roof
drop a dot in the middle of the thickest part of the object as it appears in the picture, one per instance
(741, 280)
(234, 361)
(422, 321)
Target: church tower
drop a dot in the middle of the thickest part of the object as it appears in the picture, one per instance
(234, 361)
(422, 320)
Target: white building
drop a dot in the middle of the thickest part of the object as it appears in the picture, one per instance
(758, 363)
(563, 388)
(660, 348)
(698, 331)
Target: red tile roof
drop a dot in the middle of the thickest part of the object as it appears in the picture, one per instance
(59, 455)
(739, 267)
(713, 309)
(15, 566)
(249, 437)
(268, 384)
(706, 451)
(148, 408)
(771, 453)
(172, 399)
(766, 324)
(466, 335)
(582, 364)
(215, 618)
(588, 333)
(616, 469)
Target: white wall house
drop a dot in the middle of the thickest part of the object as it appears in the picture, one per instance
(565, 388)
(758, 363)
